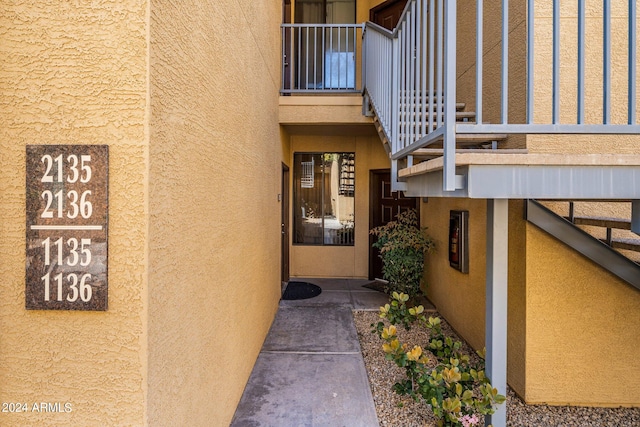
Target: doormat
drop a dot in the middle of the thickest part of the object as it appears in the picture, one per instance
(301, 290)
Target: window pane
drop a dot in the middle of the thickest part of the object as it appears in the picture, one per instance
(339, 206)
(323, 193)
(307, 199)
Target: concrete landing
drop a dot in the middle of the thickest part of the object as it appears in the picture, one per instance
(310, 371)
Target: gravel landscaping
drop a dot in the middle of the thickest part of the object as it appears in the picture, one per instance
(395, 410)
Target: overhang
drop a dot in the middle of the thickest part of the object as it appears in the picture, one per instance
(322, 110)
(530, 176)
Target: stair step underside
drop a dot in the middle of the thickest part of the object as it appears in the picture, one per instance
(431, 112)
(626, 244)
(419, 116)
(470, 139)
(429, 106)
(429, 153)
(617, 223)
(434, 125)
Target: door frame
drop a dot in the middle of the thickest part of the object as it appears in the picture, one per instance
(373, 252)
(284, 224)
(373, 191)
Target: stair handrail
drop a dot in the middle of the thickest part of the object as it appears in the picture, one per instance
(425, 60)
(419, 106)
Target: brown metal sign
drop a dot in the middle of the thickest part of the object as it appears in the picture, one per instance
(67, 221)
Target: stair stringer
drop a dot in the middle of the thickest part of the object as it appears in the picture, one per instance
(583, 242)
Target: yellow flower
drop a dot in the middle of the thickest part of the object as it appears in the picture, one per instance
(402, 297)
(389, 332)
(391, 347)
(451, 375)
(384, 310)
(414, 311)
(452, 405)
(415, 353)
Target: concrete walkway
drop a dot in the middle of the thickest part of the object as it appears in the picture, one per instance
(310, 371)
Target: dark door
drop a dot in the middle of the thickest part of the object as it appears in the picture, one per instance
(285, 223)
(385, 206)
(387, 14)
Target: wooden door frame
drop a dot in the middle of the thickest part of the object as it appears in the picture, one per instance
(395, 5)
(372, 172)
(372, 194)
(285, 225)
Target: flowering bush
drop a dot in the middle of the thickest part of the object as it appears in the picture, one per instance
(402, 246)
(456, 388)
(469, 420)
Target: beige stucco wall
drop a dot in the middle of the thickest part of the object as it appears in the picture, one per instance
(460, 298)
(543, 83)
(214, 236)
(570, 321)
(492, 62)
(345, 261)
(559, 303)
(582, 329)
(75, 73)
(191, 118)
(322, 110)
(568, 62)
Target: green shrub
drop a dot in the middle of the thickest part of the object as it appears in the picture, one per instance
(456, 389)
(403, 246)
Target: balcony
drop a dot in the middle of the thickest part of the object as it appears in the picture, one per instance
(321, 58)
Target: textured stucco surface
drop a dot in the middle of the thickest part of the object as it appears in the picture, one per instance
(345, 261)
(75, 73)
(214, 237)
(593, 76)
(459, 297)
(582, 329)
(570, 322)
(593, 62)
(492, 63)
(322, 110)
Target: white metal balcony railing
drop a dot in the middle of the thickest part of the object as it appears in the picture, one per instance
(321, 58)
(412, 71)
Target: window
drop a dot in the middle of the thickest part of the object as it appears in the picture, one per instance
(325, 11)
(323, 198)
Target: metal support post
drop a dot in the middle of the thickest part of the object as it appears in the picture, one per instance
(449, 141)
(496, 303)
(395, 184)
(635, 216)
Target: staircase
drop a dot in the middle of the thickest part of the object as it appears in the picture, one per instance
(595, 218)
(412, 81)
(416, 117)
(618, 251)
(411, 76)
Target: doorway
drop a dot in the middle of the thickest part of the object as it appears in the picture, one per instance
(384, 206)
(387, 14)
(284, 224)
